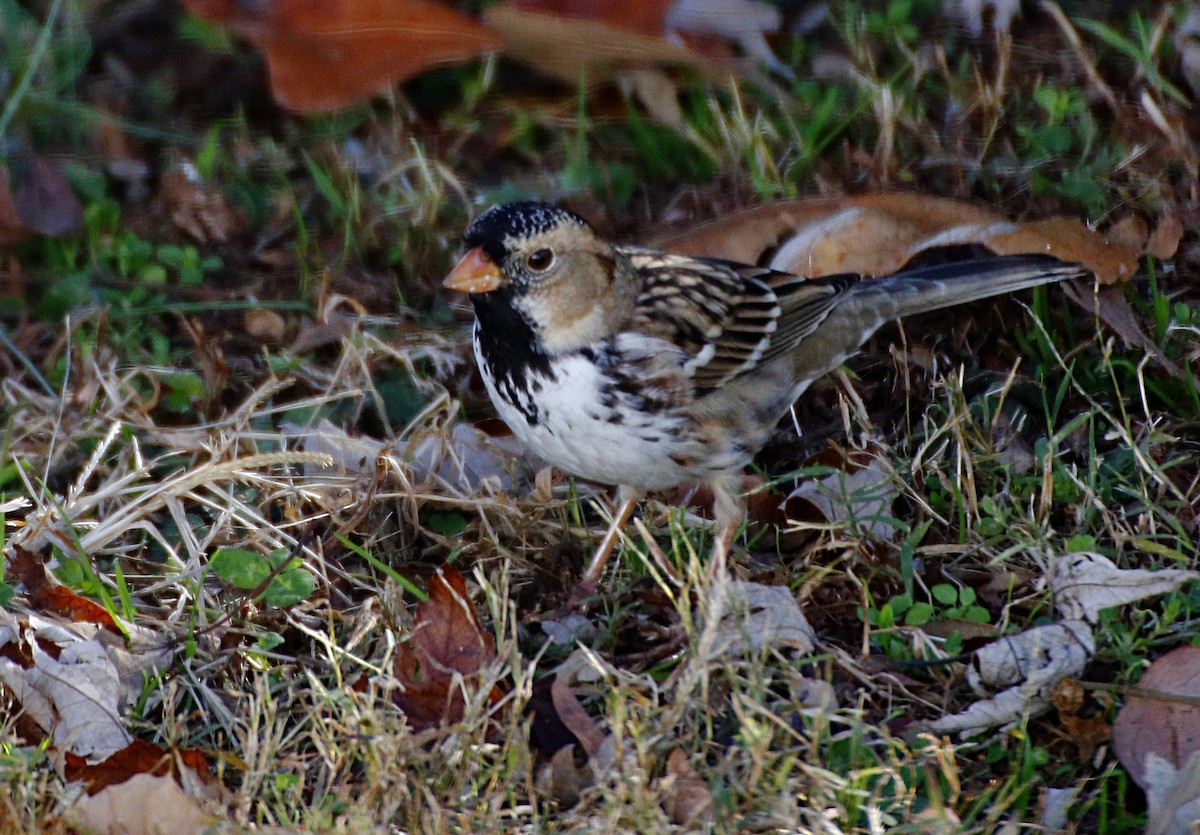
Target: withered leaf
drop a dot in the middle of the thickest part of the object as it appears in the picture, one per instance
(323, 55)
(447, 644)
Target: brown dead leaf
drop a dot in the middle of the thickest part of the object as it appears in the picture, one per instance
(137, 758)
(265, 325)
(1130, 231)
(201, 213)
(447, 647)
(877, 234)
(323, 55)
(567, 47)
(47, 595)
(1154, 724)
(1089, 730)
(1069, 240)
(1164, 240)
(705, 26)
(35, 200)
(689, 801)
(646, 17)
(576, 719)
(572, 769)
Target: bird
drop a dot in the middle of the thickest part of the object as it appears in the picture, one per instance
(647, 370)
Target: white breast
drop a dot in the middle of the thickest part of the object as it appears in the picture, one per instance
(564, 419)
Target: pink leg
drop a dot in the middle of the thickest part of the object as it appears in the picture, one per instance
(627, 499)
(729, 510)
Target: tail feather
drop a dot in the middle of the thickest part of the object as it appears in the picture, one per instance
(939, 286)
(870, 303)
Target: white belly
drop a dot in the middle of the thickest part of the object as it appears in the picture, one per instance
(564, 420)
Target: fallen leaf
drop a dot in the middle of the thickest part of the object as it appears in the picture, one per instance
(200, 212)
(646, 17)
(1084, 583)
(566, 775)
(35, 200)
(1112, 308)
(1173, 795)
(139, 757)
(1027, 666)
(1071, 241)
(756, 617)
(1088, 730)
(1129, 231)
(573, 715)
(744, 22)
(567, 38)
(567, 48)
(46, 594)
(446, 652)
(859, 496)
(323, 55)
(143, 805)
(70, 686)
(689, 801)
(1155, 725)
(264, 325)
(877, 234)
(1164, 240)
(469, 461)
(1056, 807)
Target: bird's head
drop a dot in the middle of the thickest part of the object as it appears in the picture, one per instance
(550, 265)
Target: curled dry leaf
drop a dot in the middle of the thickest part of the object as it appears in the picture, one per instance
(200, 212)
(1084, 583)
(877, 234)
(567, 774)
(323, 55)
(448, 650)
(1028, 666)
(1155, 725)
(860, 496)
(1087, 728)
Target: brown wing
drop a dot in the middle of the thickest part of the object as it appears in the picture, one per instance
(728, 317)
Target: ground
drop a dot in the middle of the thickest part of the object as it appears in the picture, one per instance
(209, 291)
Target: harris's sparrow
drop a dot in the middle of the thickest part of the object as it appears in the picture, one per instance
(646, 370)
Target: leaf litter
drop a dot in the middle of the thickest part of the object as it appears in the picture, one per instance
(152, 502)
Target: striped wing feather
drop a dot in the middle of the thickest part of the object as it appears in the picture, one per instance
(728, 317)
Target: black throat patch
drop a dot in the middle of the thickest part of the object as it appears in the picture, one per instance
(511, 349)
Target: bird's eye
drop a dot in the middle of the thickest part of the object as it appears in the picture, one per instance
(540, 260)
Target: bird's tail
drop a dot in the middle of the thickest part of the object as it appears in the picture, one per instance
(871, 302)
(924, 289)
